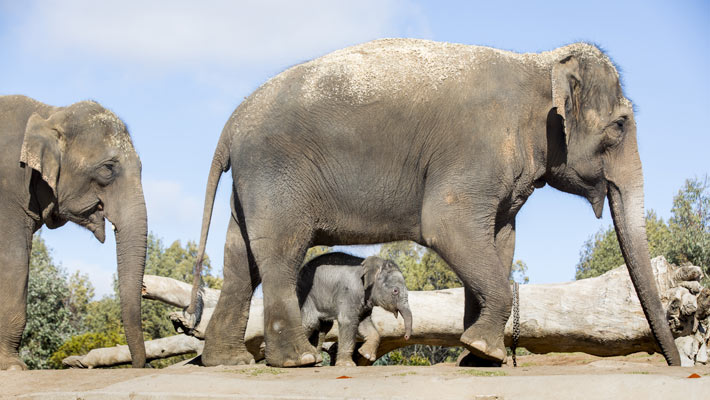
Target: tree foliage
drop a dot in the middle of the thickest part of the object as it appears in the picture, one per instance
(82, 344)
(52, 299)
(422, 268)
(690, 225)
(519, 272)
(685, 239)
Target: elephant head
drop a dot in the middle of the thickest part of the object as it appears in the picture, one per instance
(87, 171)
(592, 152)
(386, 287)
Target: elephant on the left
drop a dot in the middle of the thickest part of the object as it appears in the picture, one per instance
(59, 164)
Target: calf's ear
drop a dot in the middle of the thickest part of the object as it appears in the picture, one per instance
(371, 268)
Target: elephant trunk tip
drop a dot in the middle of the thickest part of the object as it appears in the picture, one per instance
(407, 315)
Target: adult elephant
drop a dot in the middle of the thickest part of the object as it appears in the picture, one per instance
(432, 142)
(60, 164)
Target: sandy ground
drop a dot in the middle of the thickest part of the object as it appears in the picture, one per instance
(557, 376)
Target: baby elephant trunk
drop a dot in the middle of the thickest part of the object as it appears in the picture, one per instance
(407, 315)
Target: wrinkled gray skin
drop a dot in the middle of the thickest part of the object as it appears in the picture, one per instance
(431, 142)
(60, 164)
(344, 288)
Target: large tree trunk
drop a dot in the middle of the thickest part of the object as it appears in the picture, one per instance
(600, 316)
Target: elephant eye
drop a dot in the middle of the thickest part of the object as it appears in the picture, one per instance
(106, 172)
(395, 291)
(614, 133)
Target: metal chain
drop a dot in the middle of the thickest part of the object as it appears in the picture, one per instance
(516, 322)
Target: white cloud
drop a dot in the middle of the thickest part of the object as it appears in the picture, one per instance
(223, 33)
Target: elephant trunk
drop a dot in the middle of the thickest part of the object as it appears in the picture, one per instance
(407, 315)
(627, 209)
(131, 227)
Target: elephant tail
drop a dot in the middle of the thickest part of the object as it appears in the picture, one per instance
(220, 164)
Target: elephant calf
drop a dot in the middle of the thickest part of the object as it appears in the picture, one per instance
(345, 288)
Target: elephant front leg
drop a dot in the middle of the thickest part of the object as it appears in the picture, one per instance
(347, 329)
(467, 245)
(367, 330)
(14, 269)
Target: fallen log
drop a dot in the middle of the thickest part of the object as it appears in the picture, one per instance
(600, 316)
(155, 349)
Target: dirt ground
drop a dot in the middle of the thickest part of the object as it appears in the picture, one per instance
(552, 376)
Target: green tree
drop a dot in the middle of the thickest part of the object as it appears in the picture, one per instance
(519, 272)
(422, 268)
(601, 252)
(49, 318)
(104, 316)
(81, 292)
(690, 225)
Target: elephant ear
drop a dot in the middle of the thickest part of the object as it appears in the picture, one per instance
(43, 146)
(371, 268)
(566, 92)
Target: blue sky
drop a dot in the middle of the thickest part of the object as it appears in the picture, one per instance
(175, 70)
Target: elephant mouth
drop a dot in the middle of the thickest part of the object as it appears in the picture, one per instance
(97, 226)
(597, 197)
(93, 219)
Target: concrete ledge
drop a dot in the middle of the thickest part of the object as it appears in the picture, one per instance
(621, 381)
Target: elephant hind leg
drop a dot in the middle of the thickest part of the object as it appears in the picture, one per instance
(224, 338)
(279, 251)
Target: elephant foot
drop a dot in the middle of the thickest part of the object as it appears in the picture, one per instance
(466, 359)
(491, 349)
(12, 364)
(301, 356)
(305, 360)
(369, 352)
(211, 358)
(345, 362)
